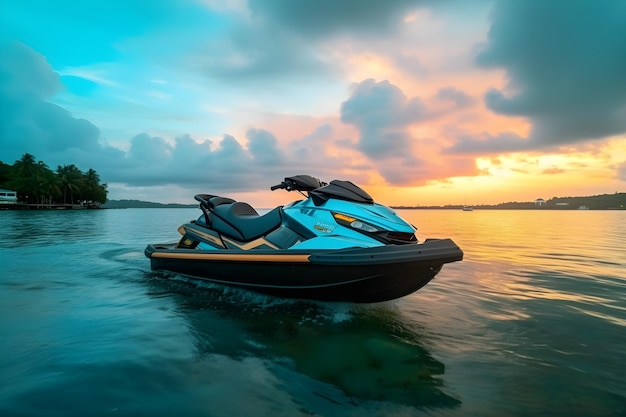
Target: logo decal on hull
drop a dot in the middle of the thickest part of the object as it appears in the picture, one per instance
(324, 227)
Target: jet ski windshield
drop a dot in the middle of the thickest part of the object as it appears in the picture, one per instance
(342, 190)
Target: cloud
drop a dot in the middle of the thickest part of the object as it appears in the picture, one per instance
(384, 116)
(411, 64)
(153, 161)
(225, 166)
(328, 18)
(553, 170)
(251, 54)
(309, 145)
(566, 71)
(264, 147)
(486, 143)
(25, 74)
(283, 39)
(28, 123)
(381, 112)
(146, 150)
(454, 98)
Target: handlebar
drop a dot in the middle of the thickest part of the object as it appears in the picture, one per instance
(299, 183)
(282, 185)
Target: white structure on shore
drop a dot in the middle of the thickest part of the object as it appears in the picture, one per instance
(8, 197)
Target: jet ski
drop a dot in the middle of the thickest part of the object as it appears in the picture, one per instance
(335, 244)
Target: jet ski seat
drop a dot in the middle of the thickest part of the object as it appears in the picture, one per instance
(242, 222)
(236, 219)
(210, 201)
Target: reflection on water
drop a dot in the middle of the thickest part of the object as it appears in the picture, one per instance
(365, 352)
(568, 241)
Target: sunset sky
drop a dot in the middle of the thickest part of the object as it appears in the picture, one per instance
(419, 102)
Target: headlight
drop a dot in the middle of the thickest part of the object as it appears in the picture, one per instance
(363, 226)
(354, 223)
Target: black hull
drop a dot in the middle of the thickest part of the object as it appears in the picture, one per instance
(366, 275)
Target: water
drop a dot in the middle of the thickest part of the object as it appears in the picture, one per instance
(531, 323)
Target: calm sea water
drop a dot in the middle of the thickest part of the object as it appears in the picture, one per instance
(531, 323)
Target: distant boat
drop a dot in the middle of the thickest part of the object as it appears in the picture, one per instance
(466, 207)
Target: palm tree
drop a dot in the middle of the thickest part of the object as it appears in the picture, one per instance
(102, 194)
(92, 189)
(70, 178)
(5, 174)
(26, 166)
(49, 186)
(41, 171)
(28, 176)
(24, 170)
(92, 184)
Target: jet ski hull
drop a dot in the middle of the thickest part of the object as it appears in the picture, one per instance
(360, 275)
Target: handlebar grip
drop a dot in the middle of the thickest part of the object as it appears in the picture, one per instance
(276, 187)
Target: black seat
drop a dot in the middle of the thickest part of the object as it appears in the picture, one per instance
(218, 201)
(242, 222)
(208, 203)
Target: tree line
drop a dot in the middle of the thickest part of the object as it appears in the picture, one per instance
(35, 183)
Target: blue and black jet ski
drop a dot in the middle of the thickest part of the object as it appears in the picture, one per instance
(337, 244)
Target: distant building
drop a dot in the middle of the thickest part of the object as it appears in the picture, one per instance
(562, 204)
(540, 202)
(8, 197)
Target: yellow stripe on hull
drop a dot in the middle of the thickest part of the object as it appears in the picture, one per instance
(232, 257)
